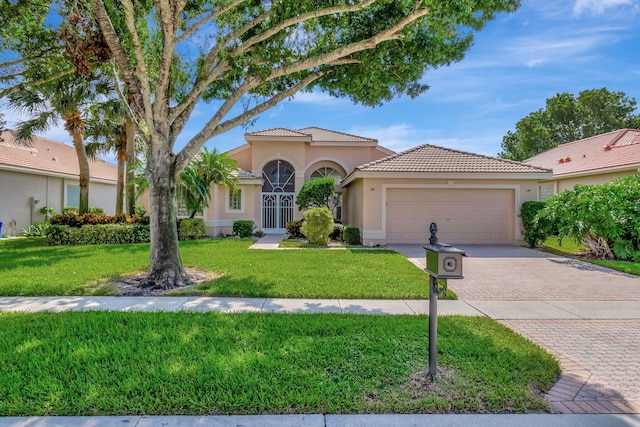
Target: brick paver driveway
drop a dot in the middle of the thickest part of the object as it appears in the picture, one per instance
(600, 358)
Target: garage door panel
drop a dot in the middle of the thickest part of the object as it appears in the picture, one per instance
(463, 216)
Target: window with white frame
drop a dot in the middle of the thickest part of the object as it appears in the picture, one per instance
(234, 200)
(73, 196)
(545, 191)
(181, 209)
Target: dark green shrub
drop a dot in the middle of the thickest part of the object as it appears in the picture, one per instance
(191, 228)
(98, 234)
(293, 228)
(95, 210)
(351, 235)
(243, 228)
(317, 225)
(604, 218)
(336, 234)
(535, 230)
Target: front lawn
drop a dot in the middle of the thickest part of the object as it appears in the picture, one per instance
(29, 267)
(571, 248)
(114, 363)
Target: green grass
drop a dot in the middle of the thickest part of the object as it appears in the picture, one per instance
(572, 248)
(31, 268)
(113, 363)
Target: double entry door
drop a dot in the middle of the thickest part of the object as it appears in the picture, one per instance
(277, 210)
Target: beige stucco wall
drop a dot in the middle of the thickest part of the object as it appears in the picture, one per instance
(219, 220)
(569, 183)
(305, 158)
(370, 194)
(18, 189)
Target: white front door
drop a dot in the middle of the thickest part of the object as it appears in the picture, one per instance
(277, 210)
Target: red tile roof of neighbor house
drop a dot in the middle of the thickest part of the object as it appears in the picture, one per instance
(430, 158)
(317, 134)
(45, 155)
(607, 151)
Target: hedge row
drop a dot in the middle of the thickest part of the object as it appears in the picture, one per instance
(98, 234)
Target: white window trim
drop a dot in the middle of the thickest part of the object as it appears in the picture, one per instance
(227, 208)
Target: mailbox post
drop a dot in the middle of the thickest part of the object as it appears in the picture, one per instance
(443, 262)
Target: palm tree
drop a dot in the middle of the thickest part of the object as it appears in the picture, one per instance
(106, 132)
(65, 98)
(194, 182)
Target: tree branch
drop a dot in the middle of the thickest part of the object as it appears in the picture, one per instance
(48, 79)
(119, 53)
(214, 14)
(302, 18)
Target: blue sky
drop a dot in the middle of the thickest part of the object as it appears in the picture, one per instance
(517, 62)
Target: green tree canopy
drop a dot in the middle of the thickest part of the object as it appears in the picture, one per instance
(567, 118)
(169, 56)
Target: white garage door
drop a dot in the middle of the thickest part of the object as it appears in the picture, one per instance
(463, 215)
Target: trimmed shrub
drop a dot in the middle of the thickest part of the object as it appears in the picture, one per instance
(317, 225)
(336, 234)
(243, 228)
(293, 228)
(98, 234)
(191, 228)
(535, 231)
(95, 210)
(351, 235)
(317, 192)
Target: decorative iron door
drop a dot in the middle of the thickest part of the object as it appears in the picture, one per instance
(277, 210)
(278, 193)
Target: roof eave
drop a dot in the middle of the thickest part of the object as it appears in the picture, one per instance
(600, 171)
(448, 175)
(53, 174)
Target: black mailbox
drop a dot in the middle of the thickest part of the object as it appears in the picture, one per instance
(444, 261)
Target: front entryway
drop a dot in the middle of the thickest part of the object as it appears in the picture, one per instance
(277, 210)
(278, 196)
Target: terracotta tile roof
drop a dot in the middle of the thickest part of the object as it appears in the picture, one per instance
(317, 134)
(276, 132)
(430, 158)
(45, 155)
(326, 135)
(610, 150)
(243, 174)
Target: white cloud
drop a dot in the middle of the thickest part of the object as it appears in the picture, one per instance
(598, 7)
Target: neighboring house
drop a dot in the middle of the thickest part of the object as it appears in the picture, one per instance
(391, 197)
(41, 172)
(594, 160)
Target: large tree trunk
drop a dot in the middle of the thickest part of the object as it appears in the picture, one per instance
(130, 130)
(166, 271)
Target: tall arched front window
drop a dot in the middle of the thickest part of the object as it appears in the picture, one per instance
(278, 177)
(326, 172)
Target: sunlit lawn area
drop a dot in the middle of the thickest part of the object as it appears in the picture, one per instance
(29, 267)
(91, 363)
(571, 247)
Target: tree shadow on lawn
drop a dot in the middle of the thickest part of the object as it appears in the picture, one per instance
(44, 255)
(228, 286)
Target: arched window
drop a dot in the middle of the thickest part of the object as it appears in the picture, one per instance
(326, 172)
(278, 177)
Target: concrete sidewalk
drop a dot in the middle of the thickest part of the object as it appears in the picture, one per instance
(499, 310)
(318, 420)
